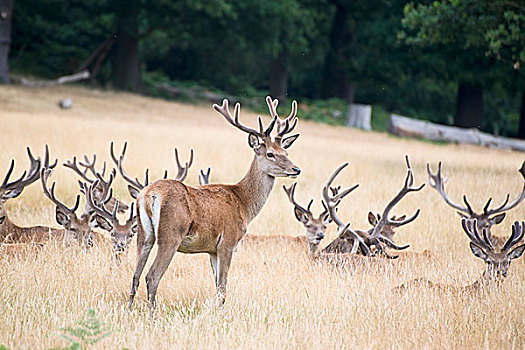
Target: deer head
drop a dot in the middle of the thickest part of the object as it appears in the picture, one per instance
(10, 190)
(497, 259)
(315, 227)
(135, 185)
(270, 154)
(489, 216)
(121, 234)
(76, 229)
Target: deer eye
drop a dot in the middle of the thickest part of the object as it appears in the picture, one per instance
(270, 155)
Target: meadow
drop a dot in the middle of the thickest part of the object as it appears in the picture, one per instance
(277, 297)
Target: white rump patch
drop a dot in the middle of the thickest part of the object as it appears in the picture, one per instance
(156, 214)
(145, 220)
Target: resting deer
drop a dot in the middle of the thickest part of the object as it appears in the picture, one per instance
(315, 227)
(76, 229)
(497, 259)
(98, 177)
(9, 231)
(121, 234)
(134, 186)
(350, 241)
(488, 217)
(213, 218)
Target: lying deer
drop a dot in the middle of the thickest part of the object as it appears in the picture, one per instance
(134, 186)
(489, 217)
(120, 234)
(9, 231)
(213, 218)
(497, 259)
(315, 227)
(76, 229)
(350, 241)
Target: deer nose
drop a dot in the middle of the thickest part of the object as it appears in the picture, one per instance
(297, 170)
(320, 235)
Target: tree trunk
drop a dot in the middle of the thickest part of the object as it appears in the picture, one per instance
(336, 82)
(279, 78)
(6, 19)
(469, 108)
(521, 132)
(126, 62)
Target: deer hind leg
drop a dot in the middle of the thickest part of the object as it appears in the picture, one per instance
(146, 237)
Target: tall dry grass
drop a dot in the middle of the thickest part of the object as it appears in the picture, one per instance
(277, 298)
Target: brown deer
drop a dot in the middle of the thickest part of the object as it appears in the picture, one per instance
(350, 241)
(488, 217)
(76, 229)
(9, 231)
(213, 218)
(121, 234)
(497, 259)
(134, 186)
(315, 227)
(95, 177)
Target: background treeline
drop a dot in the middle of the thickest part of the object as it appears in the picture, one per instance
(456, 62)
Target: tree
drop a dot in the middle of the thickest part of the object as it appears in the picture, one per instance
(6, 12)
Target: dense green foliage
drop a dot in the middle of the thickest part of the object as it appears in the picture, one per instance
(402, 57)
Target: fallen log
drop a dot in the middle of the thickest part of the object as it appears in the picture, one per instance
(407, 127)
(62, 80)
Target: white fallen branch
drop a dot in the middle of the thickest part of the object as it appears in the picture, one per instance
(407, 127)
(62, 80)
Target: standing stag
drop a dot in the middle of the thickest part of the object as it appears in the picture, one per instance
(350, 241)
(9, 231)
(211, 219)
(488, 217)
(135, 186)
(497, 259)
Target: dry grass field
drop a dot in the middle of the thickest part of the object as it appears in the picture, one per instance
(277, 297)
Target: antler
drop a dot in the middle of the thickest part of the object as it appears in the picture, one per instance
(331, 202)
(385, 220)
(45, 173)
(284, 126)
(100, 208)
(182, 171)
(135, 183)
(518, 231)
(290, 192)
(471, 229)
(234, 120)
(437, 182)
(32, 174)
(504, 206)
(204, 177)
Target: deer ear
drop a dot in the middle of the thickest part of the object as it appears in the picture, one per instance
(497, 219)
(12, 194)
(516, 252)
(288, 141)
(62, 218)
(478, 251)
(301, 216)
(99, 221)
(253, 141)
(133, 192)
(326, 218)
(372, 218)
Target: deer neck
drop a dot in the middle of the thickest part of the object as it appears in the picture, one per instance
(254, 189)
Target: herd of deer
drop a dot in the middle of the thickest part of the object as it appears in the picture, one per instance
(213, 218)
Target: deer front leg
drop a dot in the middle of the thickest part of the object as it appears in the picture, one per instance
(213, 263)
(224, 258)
